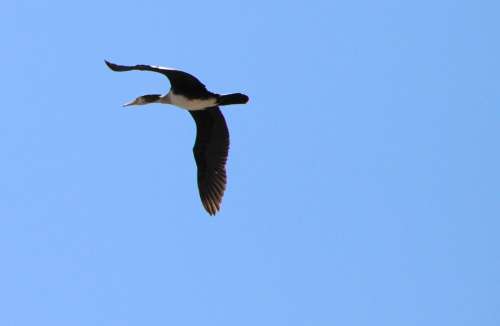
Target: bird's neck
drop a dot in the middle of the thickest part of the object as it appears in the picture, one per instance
(167, 99)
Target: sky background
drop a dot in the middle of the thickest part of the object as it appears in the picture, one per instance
(363, 174)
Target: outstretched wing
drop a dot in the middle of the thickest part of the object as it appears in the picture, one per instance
(210, 152)
(181, 82)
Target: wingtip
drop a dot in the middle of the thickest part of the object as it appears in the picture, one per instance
(109, 64)
(211, 207)
(114, 66)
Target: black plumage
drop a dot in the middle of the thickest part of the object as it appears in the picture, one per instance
(180, 82)
(210, 152)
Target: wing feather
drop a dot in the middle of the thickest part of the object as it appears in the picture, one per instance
(210, 151)
(180, 81)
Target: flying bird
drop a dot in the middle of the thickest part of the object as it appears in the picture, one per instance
(211, 146)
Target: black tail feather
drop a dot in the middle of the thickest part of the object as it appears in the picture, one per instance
(235, 98)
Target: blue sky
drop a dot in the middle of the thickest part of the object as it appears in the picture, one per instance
(363, 174)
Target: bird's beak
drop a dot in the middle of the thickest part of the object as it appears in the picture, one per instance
(134, 102)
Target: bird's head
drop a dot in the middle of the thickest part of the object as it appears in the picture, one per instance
(145, 99)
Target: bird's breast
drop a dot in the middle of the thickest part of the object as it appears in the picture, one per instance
(189, 104)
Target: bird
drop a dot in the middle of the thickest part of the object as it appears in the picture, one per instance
(211, 145)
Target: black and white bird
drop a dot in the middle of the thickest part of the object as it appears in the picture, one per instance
(212, 136)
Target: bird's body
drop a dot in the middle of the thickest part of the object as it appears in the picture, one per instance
(212, 137)
(183, 102)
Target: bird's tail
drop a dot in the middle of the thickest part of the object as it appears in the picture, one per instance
(235, 98)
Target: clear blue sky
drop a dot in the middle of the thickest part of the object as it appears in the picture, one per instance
(363, 174)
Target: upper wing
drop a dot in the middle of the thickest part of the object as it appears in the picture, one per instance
(181, 82)
(210, 152)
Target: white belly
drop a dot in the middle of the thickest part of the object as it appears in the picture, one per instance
(188, 104)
